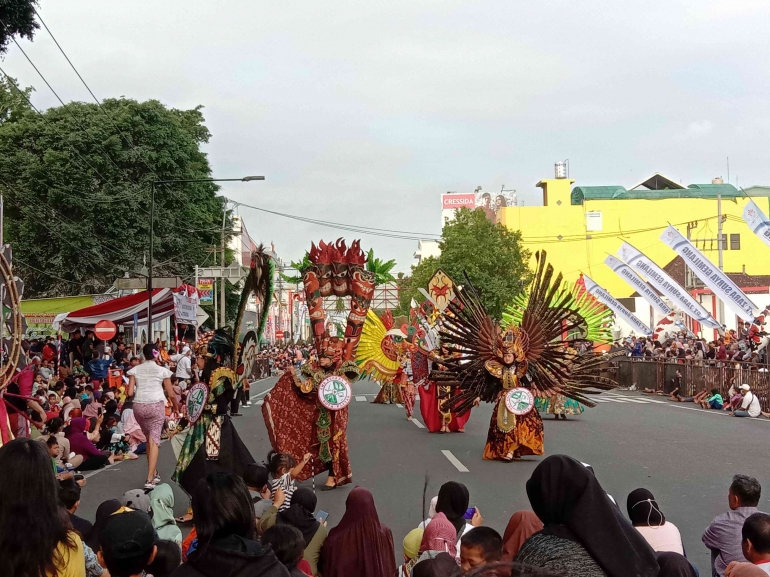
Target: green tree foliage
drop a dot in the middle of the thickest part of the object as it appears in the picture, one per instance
(18, 19)
(76, 182)
(490, 254)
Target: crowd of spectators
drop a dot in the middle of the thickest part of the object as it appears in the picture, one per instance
(241, 529)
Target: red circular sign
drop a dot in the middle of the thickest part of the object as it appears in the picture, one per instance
(279, 335)
(105, 330)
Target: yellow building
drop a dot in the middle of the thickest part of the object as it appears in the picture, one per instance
(579, 226)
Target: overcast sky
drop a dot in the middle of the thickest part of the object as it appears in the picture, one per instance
(365, 112)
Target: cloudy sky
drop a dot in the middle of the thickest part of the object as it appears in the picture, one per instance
(365, 112)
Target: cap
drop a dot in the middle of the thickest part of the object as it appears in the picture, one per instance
(745, 387)
(126, 536)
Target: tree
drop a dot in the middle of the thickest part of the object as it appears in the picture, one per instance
(490, 254)
(18, 19)
(76, 181)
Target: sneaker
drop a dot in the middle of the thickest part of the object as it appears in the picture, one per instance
(247, 404)
(148, 486)
(156, 479)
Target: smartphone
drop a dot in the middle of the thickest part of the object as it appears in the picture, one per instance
(322, 516)
(470, 513)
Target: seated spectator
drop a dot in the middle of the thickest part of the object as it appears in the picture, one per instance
(584, 533)
(137, 500)
(55, 427)
(750, 406)
(453, 500)
(127, 544)
(480, 546)
(439, 536)
(36, 538)
(442, 565)
(521, 526)
(431, 513)
(69, 495)
(162, 507)
(226, 531)
(411, 551)
(360, 545)
(300, 514)
(723, 535)
(755, 541)
(256, 478)
(103, 513)
(288, 545)
(646, 516)
(93, 458)
(167, 558)
(697, 398)
(713, 402)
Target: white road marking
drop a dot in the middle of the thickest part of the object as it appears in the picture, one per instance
(399, 405)
(417, 423)
(261, 394)
(260, 402)
(614, 400)
(361, 398)
(455, 461)
(659, 402)
(600, 401)
(636, 401)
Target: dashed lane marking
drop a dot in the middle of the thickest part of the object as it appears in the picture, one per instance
(361, 398)
(417, 423)
(455, 461)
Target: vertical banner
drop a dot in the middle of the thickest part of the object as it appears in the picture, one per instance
(645, 291)
(721, 284)
(659, 279)
(757, 221)
(186, 305)
(606, 299)
(206, 290)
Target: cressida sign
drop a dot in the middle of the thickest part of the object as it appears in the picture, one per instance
(455, 201)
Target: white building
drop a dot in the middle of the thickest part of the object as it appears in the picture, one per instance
(425, 249)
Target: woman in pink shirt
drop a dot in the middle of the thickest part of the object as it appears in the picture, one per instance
(648, 519)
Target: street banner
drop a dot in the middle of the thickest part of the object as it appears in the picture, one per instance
(645, 291)
(206, 290)
(757, 221)
(721, 284)
(659, 279)
(186, 305)
(606, 299)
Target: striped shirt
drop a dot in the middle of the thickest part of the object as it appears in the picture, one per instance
(286, 483)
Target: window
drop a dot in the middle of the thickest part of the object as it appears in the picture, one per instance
(735, 242)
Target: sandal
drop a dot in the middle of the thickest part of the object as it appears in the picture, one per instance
(184, 519)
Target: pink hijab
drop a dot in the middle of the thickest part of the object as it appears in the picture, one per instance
(521, 526)
(439, 535)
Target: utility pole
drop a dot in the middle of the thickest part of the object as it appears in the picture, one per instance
(721, 309)
(222, 299)
(216, 308)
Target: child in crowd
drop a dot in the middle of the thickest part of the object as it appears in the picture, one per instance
(289, 547)
(167, 558)
(714, 401)
(480, 546)
(284, 469)
(53, 449)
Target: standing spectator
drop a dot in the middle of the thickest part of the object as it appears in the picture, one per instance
(360, 545)
(756, 540)
(87, 348)
(183, 364)
(721, 350)
(34, 537)
(723, 536)
(146, 384)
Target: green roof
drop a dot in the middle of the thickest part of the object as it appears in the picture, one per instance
(583, 193)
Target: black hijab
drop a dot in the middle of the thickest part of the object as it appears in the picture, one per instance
(300, 513)
(674, 565)
(453, 499)
(643, 509)
(572, 505)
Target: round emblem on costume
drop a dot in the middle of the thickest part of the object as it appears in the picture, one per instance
(196, 401)
(519, 401)
(334, 393)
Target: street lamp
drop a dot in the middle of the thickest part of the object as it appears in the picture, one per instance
(152, 230)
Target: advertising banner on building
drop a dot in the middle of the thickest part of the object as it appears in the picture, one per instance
(206, 290)
(709, 273)
(622, 312)
(645, 291)
(659, 279)
(757, 221)
(455, 201)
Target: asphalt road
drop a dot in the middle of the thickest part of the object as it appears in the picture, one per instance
(685, 456)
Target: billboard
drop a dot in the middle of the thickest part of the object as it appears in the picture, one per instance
(487, 202)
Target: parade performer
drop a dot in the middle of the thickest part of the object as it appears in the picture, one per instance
(212, 444)
(520, 360)
(436, 413)
(379, 356)
(298, 420)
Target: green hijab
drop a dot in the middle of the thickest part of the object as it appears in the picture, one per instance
(162, 505)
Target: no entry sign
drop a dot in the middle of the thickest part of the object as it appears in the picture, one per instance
(105, 330)
(279, 335)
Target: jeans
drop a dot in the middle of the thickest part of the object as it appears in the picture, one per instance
(741, 413)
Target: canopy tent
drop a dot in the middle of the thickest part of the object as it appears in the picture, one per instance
(120, 311)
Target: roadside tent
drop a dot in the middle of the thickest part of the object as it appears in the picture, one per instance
(121, 311)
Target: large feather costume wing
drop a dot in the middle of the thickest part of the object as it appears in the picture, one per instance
(376, 355)
(470, 336)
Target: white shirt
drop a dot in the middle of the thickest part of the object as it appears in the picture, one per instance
(765, 567)
(664, 537)
(183, 367)
(149, 378)
(750, 403)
